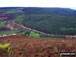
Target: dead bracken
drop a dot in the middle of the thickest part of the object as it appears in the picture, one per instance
(35, 47)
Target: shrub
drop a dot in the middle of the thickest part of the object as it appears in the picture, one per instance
(34, 34)
(6, 47)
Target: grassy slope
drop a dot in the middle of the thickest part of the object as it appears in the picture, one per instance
(49, 20)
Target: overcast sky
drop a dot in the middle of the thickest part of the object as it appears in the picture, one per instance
(39, 3)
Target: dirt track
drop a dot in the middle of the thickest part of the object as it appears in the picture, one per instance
(34, 47)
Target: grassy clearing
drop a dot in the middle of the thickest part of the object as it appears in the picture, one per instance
(7, 32)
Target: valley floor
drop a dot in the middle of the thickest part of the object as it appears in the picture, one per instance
(35, 47)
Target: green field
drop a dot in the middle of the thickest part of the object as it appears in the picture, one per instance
(7, 32)
(31, 34)
(2, 24)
